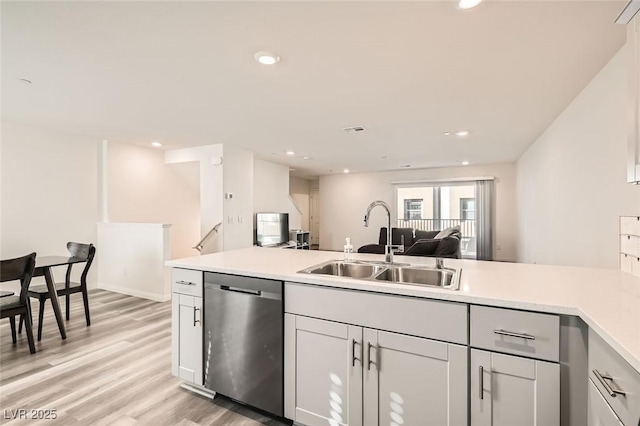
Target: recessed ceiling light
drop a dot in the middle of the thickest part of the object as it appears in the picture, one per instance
(290, 153)
(406, 165)
(468, 4)
(465, 163)
(447, 133)
(25, 80)
(156, 144)
(462, 133)
(345, 171)
(267, 58)
(306, 158)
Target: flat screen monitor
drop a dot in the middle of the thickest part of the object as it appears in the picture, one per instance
(272, 229)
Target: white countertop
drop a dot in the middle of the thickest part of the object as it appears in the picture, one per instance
(607, 300)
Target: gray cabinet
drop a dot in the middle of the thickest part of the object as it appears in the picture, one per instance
(186, 324)
(508, 390)
(350, 375)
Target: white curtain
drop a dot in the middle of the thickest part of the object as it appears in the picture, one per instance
(484, 219)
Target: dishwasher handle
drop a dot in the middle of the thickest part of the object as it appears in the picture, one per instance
(241, 290)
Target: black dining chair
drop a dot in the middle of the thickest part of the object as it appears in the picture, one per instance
(68, 287)
(10, 306)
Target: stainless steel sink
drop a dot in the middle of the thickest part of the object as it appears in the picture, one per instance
(345, 269)
(446, 278)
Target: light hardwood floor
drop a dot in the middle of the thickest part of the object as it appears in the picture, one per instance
(115, 372)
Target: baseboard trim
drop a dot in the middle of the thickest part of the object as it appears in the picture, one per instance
(136, 293)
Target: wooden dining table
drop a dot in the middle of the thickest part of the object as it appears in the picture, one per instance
(44, 264)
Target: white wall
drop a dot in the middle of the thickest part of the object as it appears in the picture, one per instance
(132, 259)
(142, 188)
(299, 190)
(238, 210)
(48, 192)
(571, 182)
(344, 199)
(271, 191)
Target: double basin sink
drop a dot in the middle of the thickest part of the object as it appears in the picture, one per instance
(446, 278)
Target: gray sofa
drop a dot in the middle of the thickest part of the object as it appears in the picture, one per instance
(419, 243)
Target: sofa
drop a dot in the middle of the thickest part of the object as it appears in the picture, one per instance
(416, 242)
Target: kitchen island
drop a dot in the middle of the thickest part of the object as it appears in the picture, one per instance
(607, 301)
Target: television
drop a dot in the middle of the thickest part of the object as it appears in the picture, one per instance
(272, 229)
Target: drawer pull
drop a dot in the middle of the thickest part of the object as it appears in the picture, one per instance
(512, 334)
(185, 282)
(603, 379)
(481, 371)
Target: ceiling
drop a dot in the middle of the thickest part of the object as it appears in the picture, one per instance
(184, 73)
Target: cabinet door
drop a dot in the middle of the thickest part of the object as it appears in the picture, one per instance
(187, 338)
(600, 413)
(409, 379)
(508, 390)
(633, 43)
(323, 372)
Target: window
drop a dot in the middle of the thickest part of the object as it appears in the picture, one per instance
(467, 208)
(412, 208)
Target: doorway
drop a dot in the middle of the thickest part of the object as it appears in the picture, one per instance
(314, 216)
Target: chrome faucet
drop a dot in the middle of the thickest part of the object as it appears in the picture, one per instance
(389, 248)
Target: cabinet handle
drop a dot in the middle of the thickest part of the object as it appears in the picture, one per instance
(195, 321)
(512, 334)
(602, 378)
(481, 372)
(369, 362)
(185, 282)
(353, 352)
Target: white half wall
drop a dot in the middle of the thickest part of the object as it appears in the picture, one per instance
(49, 196)
(132, 259)
(344, 199)
(271, 191)
(571, 182)
(143, 189)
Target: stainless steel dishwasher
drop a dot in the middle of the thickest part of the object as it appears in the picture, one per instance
(243, 340)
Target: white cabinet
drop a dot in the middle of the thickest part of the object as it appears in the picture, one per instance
(507, 390)
(342, 374)
(514, 389)
(186, 324)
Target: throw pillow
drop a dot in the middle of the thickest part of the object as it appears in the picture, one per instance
(446, 232)
(448, 246)
(424, 247)
(425, 235)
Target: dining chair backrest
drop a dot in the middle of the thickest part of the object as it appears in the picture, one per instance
(21, 269)
(83, 251)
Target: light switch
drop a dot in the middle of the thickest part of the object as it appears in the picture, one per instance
(230, 220)
(240, 219)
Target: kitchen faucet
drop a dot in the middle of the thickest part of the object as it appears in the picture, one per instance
(389, 248)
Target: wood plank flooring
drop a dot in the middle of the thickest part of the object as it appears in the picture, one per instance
(115, 372)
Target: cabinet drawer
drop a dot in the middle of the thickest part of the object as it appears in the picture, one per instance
(187, 281)
(609, 373)
(446, 321)
(630, 244)
(630, 225)
(529, 334)
(600, 414)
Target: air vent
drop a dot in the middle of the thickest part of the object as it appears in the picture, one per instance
(354, 129)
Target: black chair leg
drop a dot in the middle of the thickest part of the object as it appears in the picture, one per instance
(27, 326)
(67, 301)
(85, 299)
(40, 318)
(12, 322)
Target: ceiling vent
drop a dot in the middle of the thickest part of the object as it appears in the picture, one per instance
(354, 129)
